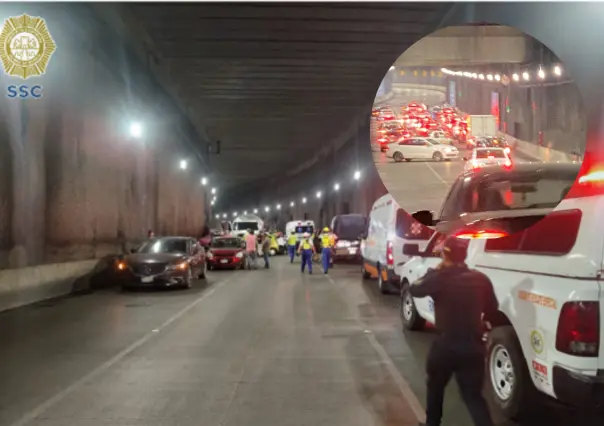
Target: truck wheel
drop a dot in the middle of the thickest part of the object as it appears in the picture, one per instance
(384, 286)
(366, 275)
(409, 316)
(508, 382)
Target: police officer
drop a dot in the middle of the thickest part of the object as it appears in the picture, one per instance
(463, 299)
(291, 246)
(327, 243)
(306, 249)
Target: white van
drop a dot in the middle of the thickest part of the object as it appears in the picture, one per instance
(548, 279)
(300, 227)
(244, 222)
(388, 228)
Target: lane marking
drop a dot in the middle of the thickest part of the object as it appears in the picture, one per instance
(49, 403)
(401, 382)
(436, 174)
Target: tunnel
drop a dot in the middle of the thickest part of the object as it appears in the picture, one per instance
(172, 119)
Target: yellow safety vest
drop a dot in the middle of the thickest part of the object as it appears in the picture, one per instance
(306, 245)
(327, 240)
(292, 240)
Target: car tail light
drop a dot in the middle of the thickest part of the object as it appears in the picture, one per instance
(508, 163)
(482, 234)
(578, 331)
(389, 254)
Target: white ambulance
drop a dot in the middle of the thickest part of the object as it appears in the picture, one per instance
(389, 228)
(548, 280)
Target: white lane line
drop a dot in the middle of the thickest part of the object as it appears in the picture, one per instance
(398, 378)
(43, 407)
(436, 174)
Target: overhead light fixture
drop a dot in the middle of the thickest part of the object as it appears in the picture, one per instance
(217, 216)
(278, 206)
(357, 175)
(245, 212)
(292, 204)
(212, 202)
(336, 187)
(304, 200)
(497, 77)
(557, 70)
(516, 77)
(136, 130)
(255, 211)
(481, 76)
(490, 77)
(224, 215)
(525, 75)
(318, 194)
(267, 209)
(183, 164)
(234, 214)
(213, 190)
(541, 73)
(204, 181)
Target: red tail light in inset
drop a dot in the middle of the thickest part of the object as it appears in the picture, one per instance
(389, 253)
(578, 331)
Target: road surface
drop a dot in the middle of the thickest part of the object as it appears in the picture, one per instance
(249, 348)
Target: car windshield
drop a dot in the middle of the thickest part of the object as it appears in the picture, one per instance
(164, 245)
(522, 190)
(304, 229)
(486, 153)
(242, 226)
(350, 227)
(226, 243)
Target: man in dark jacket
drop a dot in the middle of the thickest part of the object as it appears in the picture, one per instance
(464, 302)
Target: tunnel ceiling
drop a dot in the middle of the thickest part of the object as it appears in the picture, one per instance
(275, 82)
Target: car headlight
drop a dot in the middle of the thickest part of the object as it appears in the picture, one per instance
(239, 255)
(343, 244)
(121, 266)
(179, 266)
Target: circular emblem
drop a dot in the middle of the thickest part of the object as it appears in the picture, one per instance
(25, 46)
(537, 342)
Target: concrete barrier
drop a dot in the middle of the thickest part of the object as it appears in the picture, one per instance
(536, 152)
(24, 286)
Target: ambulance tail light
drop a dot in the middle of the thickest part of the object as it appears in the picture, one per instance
(389, 253)
(578, 331)
(507, 163)
(484, 234)
(590, 180)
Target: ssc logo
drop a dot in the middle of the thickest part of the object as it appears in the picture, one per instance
(537, 342)
(25, 46)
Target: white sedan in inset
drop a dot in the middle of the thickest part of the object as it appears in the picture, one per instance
(421, 149)
(485, 157)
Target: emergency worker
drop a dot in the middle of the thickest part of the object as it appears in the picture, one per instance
(464, 304)
(306, 249)
(327, 244)
(291, 246)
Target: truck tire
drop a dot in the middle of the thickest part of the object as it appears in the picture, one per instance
(410, 318)
(508, 383)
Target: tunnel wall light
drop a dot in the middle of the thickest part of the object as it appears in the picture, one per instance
(213, 190)
(292, 204)
(319, 194)
(304, 200)
(183, 164)
(204, 181)
(278, 206)
(336, 187)
(357, 175)
(524, 75)
(255, 211)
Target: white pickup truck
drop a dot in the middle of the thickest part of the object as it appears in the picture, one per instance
(548, 281)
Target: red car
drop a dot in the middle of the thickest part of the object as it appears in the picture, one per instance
(226, 253)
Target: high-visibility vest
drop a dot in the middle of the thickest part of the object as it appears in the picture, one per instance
(327, 240)
(292, 240)
(306, 245)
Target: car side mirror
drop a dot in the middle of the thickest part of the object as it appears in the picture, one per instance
(411, 249)
(425, 217)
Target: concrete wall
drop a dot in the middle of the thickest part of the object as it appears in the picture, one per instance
(555, 110)
(73, 184)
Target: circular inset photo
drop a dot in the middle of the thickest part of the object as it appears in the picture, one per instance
(478, 131)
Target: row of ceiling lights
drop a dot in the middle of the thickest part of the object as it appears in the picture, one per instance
(524, 76)
(336, 187)
(136, 131)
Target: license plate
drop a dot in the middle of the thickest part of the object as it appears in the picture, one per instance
(147, 279)
(224, 261)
